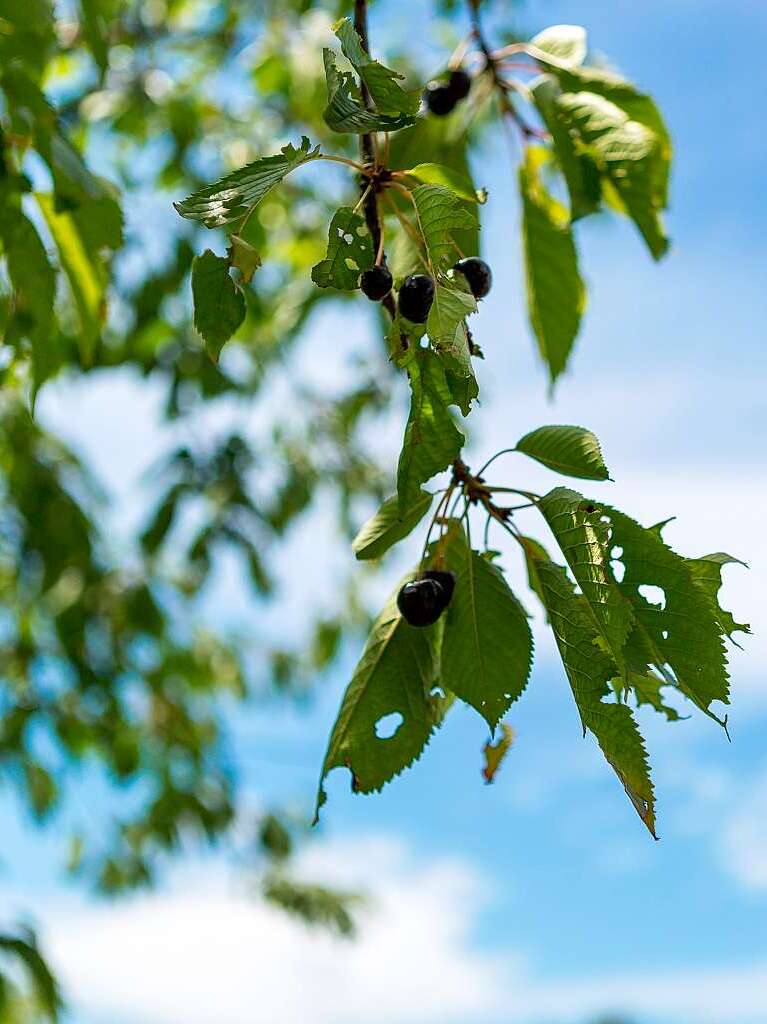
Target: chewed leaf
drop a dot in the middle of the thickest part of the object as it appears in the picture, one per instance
(494, 754)
(350, 251)
(231, 197)
(572, 451)
(389, 711)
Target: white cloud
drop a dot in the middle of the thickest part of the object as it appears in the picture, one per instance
(204, 952)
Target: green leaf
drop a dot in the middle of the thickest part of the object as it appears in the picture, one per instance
(388, 96)
(572, 451)
(584, 539)
(567, 43)
(637, 105)
(590, 669)
(578, 167)
(233, 196)
(647, 689)
(243, 257)
(439, 213)
(388, 526)
(432, 441)
(487, 649)
(684, 630)
(95, 29)
(219, 306)
(396, 674)
(446, 327)
(345, 111)
(707, 574)
(85, 273)
(350, 251)
(31, 274)
(439, 174)
(23, 946)
(627, 153)
(556, 294)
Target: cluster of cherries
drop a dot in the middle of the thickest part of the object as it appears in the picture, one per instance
(417, 292)
(422, 601)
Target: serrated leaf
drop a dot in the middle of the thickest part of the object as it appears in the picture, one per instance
(350, 251)
(232, 196)
(439, 174)
(626, 152)
(383, 83)
(494, 754)
(85, 273)
(439, 212)
(556, 295)
(432, 441)
(578, 167)
(219, 306)
(648, 690)
(707, 574)
(590, 669)
(345, 110)
(487, 649)
(396, 674)
(684, 632)
(446, 327)
(567, 43)
(584, 539)
(389, 525)
(572, 451)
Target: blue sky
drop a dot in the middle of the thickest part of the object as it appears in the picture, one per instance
(539, 899)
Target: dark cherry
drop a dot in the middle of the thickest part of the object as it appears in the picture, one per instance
(459, 84)
(439, 98)
(421, 602)
(415, 298)
(376, 283)
(445, 579)
(477, 273)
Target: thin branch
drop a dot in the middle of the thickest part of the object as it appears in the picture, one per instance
(367, 149)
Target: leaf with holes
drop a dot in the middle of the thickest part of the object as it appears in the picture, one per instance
(388, 526)
(232, 197)
(584, 539)
(679, 619)
(383, 83)
(219, 306)
(572, 451)
(487, 650)
(580, 171)
(432, 441)
(556, 295)
(345, 111)
(590, 670)
(566, 43)
(439, 213)
(397, 674)
(707, 574)
(494, 754)
(350, 251)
